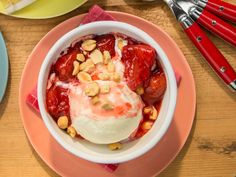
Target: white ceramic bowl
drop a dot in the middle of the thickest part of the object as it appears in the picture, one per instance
(100, 153)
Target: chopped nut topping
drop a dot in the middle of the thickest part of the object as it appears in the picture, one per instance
(154, 113)
(115, 77)
(84, 77)
(106, 56)
(85, 53)
(147, 110)
(120, 43)
(71, 131)
(87, 66)
(62, 122)
(147, 125)
(151, 111)
(89, 45)
(80, 57)
(92, 89)
(103, 76)
(108, 106)
(89, 62)
(96, 56)
(110, 67)
(76, 68)
(95, 100)
(83, 66)
(115, 146)
(105, 88)
(140, 90)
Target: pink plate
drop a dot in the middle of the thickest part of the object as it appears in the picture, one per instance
(148, 165)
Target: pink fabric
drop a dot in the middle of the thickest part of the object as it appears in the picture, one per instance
(178, 78)
(95, 14)
(110, 167)
(32, 99)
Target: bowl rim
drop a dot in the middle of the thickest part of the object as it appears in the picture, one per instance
(172, 91)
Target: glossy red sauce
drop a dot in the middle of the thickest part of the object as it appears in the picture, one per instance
(106, 42)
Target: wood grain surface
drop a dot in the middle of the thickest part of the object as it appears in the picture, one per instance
(211, 147)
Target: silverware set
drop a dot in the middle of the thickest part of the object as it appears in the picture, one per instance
(215, 16)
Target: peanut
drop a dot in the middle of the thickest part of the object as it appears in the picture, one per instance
(151, 111)
(115, 146)
(84, 77)
(92, 89)
(120, 44)
(107, 106)
(154, 113)
(87, 66)
(147, 125)
(85, 53)
(147, 110)
(140, 90)
(115, 77)
(95, 100)
(62, 122)
(71, 131)
(110, 67)
(96, 56)
(80, 57)
(105, 88)
(89, 45)
(106, 57)
(76, 68)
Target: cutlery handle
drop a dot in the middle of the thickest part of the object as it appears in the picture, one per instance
(222, 9)
(212, 55)
(214, 24)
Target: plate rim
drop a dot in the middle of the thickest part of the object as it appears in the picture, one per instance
(5, 65)
(45, 17)
(138, 18)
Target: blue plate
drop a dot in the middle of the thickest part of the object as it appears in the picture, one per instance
(3, 67)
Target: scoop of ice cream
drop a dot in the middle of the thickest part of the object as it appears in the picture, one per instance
(114, 118)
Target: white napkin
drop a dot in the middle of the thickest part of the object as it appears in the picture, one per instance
(11, 6)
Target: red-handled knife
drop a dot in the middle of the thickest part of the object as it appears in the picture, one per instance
(218, 7)
(212, 55)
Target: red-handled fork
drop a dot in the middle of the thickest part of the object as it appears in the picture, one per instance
(212, 55)
(218, 7)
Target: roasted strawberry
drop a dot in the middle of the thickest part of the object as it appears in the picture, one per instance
(106, 42)
(64, 66)
(57, 102)
(132, 41)
(138, 61)
(155, 88)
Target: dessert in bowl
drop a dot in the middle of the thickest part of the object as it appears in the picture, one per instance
(107, 84)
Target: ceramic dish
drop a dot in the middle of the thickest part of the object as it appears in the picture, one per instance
(100, 153)
(148, 165)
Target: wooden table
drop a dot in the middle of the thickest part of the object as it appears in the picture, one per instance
(211, 147)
